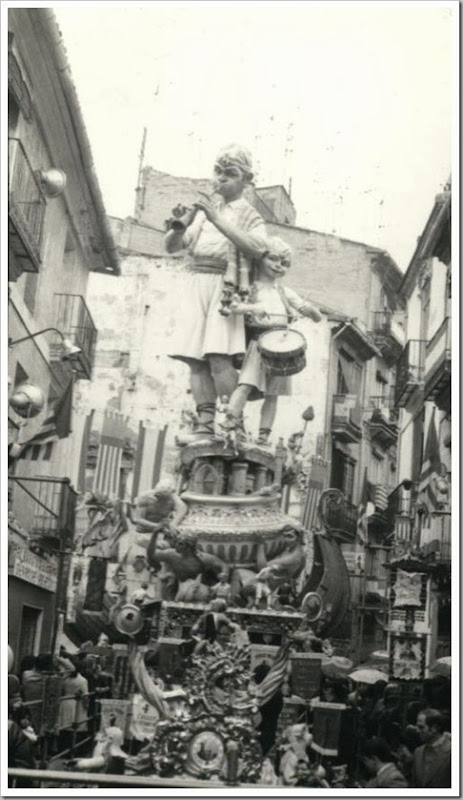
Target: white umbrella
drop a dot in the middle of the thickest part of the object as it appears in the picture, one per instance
(336, 666)
(379, 655)
(443, 666)
(368, 675)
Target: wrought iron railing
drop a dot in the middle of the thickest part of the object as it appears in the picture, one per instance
(384, 406)
(75, 323)
(438, 358)
(346, 421)
(409, 370)
(44, 507)
(46, 733)
(382, 323)
(343, 518)
(26, 202)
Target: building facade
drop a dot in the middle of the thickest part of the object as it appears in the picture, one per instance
(58, 234)
(423, 395)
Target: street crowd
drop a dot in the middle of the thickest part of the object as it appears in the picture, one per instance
(392, 735)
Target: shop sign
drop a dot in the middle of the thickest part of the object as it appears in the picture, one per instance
(31, 568)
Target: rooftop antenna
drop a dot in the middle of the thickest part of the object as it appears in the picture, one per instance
(139, 188)
(141, 157)
(289, 141)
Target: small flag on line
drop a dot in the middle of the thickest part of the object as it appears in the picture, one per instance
(148, 462)
(315, 487)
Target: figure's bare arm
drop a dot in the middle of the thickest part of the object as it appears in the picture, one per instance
(303, 306)
(261, 558)
(180, 510)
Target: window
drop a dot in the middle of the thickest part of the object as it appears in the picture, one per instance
(417, 449)
(425, 309)
(48, 451)
(343, 473)
(29, 636)
(349, 374)
(35, 452)
(30, 290)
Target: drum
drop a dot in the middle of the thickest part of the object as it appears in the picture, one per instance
(282, 351)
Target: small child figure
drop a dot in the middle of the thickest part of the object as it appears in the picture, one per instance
(269, 308)
(222, 589)
(263, 591)
(24, 722)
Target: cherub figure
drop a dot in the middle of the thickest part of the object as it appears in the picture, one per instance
(222, 589)
(160, 509)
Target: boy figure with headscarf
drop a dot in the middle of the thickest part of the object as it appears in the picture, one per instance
(219, 236)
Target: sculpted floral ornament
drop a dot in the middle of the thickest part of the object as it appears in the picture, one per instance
(198, 747)
(221, 705)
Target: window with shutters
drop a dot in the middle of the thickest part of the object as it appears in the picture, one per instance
(417, 448)
(343, 473)
(349, 379)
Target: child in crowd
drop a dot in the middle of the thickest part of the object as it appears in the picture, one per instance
(23, 718)
(269, 307)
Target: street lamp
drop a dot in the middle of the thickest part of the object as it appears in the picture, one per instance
(69, 350)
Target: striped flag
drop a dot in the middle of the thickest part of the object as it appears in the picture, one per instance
(430, 467)
(108, 464)
(315, 487)
(275, 676)
(365, 509)
(148, 462)
(381, 497)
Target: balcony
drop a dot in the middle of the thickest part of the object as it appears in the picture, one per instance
(437, 369)
(26, 209)
(437, 541)
(74, 321)
(388, 335)
(45, 508)
(346, 422)
(341, 521)
(409, 371)
(383, 422)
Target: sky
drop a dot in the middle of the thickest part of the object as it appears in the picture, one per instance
(350, 106)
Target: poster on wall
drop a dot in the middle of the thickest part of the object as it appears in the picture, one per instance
(407, 657)
(306, 674)
(143, 719)
(407, 589)
(326, 730)
(114, 713)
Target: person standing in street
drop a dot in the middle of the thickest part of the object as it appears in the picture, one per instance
(432, 760)
(378, 760)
